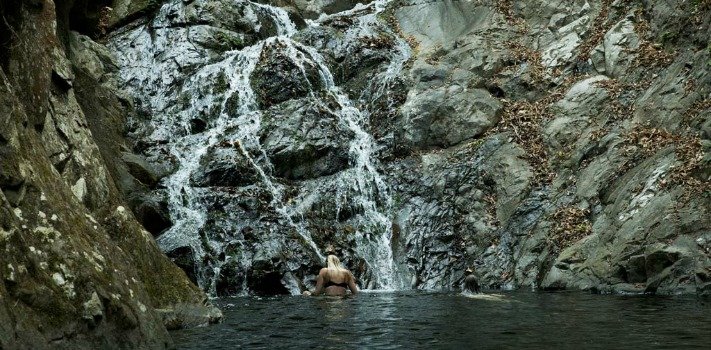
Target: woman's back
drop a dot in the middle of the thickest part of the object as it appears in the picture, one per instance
(336, 276)
(334, 279)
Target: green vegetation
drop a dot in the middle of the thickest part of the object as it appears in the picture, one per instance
(227, 41)
(668, 37)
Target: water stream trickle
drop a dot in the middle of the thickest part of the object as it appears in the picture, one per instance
(239, 124)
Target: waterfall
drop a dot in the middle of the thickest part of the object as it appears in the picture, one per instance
(155, 81)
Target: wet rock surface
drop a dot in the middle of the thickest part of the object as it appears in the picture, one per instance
(549, 145)
(78, 270)
(303, 139)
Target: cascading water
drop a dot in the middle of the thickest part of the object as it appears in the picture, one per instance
(220, 89)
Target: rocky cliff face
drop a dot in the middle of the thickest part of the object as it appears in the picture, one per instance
(549, 145)
(595, 173)
(76, 269)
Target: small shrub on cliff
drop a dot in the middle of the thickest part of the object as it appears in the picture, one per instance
(377, 42)
(104, 16)
(601, 24)
(521, 54)
(620, 107)
(505, 7)
(570, 224)
(700, 9)
(524, 120)
(389, 17)
(689, 154)
(649, 53)
(697, 112)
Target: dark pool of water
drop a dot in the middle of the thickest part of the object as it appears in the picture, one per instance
(439, 320)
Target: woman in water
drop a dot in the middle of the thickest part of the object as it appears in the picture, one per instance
(334, 279)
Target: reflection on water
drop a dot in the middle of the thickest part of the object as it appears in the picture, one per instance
(336, 312)
(439, 320)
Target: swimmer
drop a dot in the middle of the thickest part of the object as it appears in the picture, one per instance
(488, 297)
(334, 280)
(471, 284)
(472, 289)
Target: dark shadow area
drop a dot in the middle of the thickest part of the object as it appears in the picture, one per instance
(83, 16)
(185, 259)
(265, 279)
(268, 284)
(10, 19)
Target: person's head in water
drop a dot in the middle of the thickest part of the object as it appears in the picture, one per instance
(470, 283)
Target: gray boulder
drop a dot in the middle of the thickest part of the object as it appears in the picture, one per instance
(305, 139)
(447, 116)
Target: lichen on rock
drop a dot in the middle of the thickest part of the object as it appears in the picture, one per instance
(64, 257)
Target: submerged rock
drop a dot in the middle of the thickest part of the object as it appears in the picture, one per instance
(189, 315)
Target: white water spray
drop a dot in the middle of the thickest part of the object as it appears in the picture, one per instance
(361, 184)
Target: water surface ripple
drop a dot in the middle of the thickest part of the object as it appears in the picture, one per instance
(410, 320)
